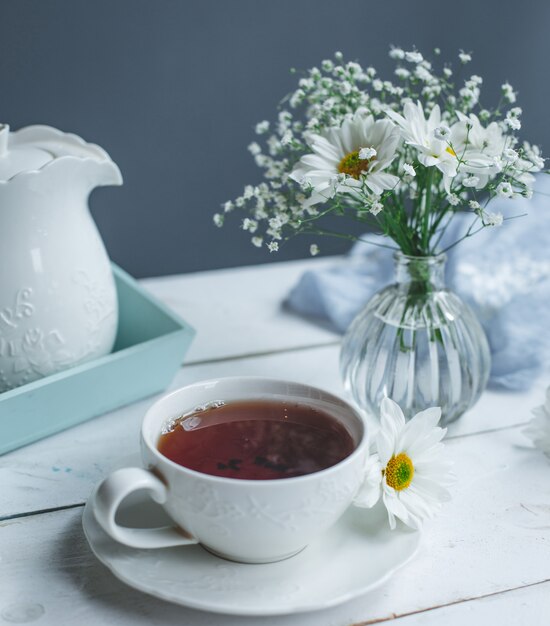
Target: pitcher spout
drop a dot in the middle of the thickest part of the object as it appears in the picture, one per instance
(103, 173)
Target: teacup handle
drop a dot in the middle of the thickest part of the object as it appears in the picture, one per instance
(110, 493)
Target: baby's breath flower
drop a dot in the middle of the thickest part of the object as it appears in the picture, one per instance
(377, 84)
(464, 57)
(376, 207)
(401, 72)
(413, 57)
(327, 65)
(493, 219)
(257, 241)
(484, 115)
(470, 95)
(250, 225)
(447, 72)
(353, 68)
(474, 205)
(512, 118)
(287, 138)
(442, 132)
(471, 181)
(273, 246)
(262, 127)
(314, 249)
(453, 199)
(396, 53)
(505, 190)
(508, 93)
(228, 206)
(296, 98)
(367, 153)
(218, 219)
(510, 155)
(345, 89)
(423, 74)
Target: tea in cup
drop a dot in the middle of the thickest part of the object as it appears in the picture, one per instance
(251, 468)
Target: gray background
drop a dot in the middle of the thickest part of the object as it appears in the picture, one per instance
(173, 89)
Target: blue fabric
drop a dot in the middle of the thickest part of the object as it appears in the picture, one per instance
(503, 273)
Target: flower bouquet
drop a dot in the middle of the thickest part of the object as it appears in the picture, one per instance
(404, 157)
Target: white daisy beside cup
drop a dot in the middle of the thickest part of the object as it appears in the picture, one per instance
(408, 466)
(538, 429)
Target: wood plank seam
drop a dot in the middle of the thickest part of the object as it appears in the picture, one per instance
(395, 616)
(54, 509)
(236, 357)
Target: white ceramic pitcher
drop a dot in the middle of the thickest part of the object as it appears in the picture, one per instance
(58, 303)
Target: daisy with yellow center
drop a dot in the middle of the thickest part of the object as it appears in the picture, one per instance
(408, 468)
(351, 159)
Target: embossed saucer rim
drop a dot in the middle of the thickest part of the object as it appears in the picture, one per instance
(216, 603)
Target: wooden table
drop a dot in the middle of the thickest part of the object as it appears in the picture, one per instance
(484, 560)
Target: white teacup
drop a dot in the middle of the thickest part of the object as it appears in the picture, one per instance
(251, 521)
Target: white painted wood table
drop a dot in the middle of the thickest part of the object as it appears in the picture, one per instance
(485, 560)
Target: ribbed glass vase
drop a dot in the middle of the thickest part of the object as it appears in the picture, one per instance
(417, 343)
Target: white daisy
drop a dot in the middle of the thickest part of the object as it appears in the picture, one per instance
(409, 467)
(538, 429)
(420, 133)
(335, 166)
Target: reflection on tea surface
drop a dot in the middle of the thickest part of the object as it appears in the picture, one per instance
(257, 440)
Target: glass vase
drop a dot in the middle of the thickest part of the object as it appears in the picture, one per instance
(417, 343)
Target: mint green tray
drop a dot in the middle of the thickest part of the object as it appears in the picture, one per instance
(149, 349)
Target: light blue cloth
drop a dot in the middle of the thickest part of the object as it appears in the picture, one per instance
(502, 273)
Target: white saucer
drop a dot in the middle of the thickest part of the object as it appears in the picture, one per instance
(353, 557)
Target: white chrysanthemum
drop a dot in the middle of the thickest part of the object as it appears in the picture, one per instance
(477, 146)
(409, 467)
(335, 165)
(538, 429)
(420, 133)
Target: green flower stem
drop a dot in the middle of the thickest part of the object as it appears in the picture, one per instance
(427, 209)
